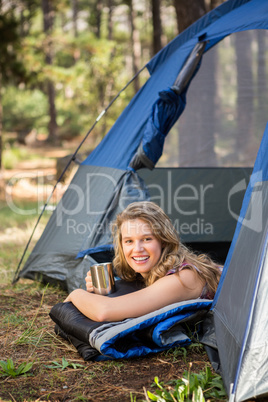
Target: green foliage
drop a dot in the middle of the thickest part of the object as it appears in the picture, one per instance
(176, 353)
(8, 368)
(12, 156)
(16, 228)
(87, 71)
(192, 387)
(64, 364)
(10, 66)
(24, 110)
(132, 398)
(24, 215)
(13, 319)
(30, 336)
(14, 24)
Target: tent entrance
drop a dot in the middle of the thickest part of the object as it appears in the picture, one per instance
(203, 203)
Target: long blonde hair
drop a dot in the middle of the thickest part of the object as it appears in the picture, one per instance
(174, 253)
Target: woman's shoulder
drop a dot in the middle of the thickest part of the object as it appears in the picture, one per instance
(183, 265)
(188, 265)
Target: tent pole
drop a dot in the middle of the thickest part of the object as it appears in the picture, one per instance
(16, 276)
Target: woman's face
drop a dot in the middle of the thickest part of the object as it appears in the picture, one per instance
(141, 248)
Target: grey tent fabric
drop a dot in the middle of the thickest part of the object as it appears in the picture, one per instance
(240, 314)
(82, 221)
(202, 203)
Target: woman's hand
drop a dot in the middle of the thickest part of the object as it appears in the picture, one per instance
(89, 284)
(165, 291)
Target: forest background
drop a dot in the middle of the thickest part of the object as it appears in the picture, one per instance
(61, 63)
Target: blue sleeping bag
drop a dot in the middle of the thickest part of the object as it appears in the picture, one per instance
(170, 326)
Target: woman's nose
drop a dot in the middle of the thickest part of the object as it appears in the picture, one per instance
(138, 246)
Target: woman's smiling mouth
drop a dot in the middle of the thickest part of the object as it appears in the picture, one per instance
(140, 259)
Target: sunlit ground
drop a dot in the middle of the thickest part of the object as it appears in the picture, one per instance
(16, 227)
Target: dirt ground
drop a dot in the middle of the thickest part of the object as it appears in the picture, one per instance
(27, 335)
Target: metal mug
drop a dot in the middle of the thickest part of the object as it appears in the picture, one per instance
(102, 278)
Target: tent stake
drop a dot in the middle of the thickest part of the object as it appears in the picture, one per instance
(232, 393)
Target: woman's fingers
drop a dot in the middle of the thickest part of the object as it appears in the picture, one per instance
(89, 284)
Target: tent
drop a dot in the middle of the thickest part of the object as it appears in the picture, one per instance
(238, 333)
(239, 307)
(202, 200)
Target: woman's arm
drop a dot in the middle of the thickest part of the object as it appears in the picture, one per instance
(167, 290)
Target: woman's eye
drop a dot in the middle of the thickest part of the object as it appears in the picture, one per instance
(148, 238)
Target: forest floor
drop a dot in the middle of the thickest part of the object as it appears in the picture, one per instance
(27, 336)
(34, 177)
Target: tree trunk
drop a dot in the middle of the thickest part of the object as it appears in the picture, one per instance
(50, 89)
(110, 20)
(135, 44)
(244, 103)
(157, 26)
(2, 181)
(214, 3)
(1, 125)
(1, 128)
(74, 17)
(196, 126)
(188, 11)
(98, 11)
(261, 82)
(197, 150)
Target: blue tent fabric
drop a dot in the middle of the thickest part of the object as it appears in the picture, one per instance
(128, 130)
(165, 112)
(94, 250)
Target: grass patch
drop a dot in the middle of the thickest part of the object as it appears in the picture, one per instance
(15, 231)
(13, 156)
(21, 214)
(13, 319)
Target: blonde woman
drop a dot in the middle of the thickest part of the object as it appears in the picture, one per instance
(147, 246)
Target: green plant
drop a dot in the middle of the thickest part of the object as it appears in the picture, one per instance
(197, 347)
(110, 364)
(64, 364)
(191, 387)
(14, 319)
(31, 335)
(8, 368)
(23, 109)
(176, 353)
